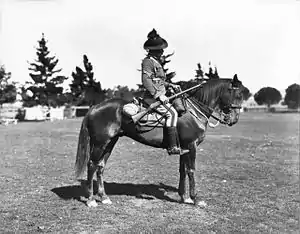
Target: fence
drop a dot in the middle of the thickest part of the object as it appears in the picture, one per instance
(75, 111)
(11, 113)
(255, 109)
(274, 109)
(80, 111)
(8, 114)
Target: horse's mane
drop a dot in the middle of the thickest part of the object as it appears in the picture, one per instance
(212, 89)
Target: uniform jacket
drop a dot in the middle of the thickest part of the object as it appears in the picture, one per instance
(153, 78)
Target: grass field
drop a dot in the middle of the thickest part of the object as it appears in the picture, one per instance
(247, 174)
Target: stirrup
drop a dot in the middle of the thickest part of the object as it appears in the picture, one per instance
(184, 151)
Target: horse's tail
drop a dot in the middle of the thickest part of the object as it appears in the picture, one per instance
(83, 149)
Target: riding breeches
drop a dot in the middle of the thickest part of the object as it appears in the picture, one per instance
(170, 113)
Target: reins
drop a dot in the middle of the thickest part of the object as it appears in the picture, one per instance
(210, 124)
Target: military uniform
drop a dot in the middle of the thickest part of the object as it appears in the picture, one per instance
(154, 81)
(153, 78)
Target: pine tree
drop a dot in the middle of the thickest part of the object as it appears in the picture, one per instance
(199, 72)
(212, 73)
(45, 86)
(8, 90)
(163, 62)
(78, 84)
(84, 88)
(216, 74)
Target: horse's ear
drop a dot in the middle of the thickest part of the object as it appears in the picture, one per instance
(235, 78)
(235, 81)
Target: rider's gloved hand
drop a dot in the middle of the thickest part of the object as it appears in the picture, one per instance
(163, 99)
(175, 87)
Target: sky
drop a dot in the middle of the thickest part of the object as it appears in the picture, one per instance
(259, 40)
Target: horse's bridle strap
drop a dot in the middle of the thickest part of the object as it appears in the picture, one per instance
(210, 109)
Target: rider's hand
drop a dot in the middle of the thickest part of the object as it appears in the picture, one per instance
(175, 87)
(163, 99)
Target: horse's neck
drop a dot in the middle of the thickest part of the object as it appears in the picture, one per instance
(210, 94)
(207, 98)
(200, 110)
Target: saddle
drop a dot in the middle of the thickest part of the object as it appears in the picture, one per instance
(153, 118)
(150, 119)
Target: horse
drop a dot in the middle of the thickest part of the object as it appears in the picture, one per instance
(105, 123)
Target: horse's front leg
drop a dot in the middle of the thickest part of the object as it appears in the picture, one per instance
(191, 170)
(191, 175)
(187, 166)
(182, 177)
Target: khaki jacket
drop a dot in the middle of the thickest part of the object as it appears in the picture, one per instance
(153, 78)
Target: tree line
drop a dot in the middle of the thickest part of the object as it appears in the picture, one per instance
(265, 96)
(46, 85)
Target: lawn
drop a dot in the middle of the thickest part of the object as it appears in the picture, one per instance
(247, 174)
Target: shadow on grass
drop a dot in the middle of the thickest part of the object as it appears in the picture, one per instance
(141, 191)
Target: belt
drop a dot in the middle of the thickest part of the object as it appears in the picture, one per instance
(156, 80)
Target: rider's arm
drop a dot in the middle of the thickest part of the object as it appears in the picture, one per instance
(147, 76)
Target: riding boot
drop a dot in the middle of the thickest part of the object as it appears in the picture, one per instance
(172, 141)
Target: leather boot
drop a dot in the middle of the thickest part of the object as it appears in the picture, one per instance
(172, 141)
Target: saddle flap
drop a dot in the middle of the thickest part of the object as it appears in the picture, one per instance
(149, 119)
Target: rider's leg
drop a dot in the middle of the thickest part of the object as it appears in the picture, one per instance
(171, 123)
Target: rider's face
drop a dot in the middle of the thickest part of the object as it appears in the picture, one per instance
(157, 53)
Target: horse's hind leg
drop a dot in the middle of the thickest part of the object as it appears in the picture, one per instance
(101, 165)
(97, 149)
(91, 169)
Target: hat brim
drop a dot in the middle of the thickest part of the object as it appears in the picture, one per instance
(156, 44)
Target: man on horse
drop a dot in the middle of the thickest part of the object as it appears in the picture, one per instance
(154, 81)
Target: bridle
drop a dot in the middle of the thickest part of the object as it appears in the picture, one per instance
(207, 111)
(231, 105)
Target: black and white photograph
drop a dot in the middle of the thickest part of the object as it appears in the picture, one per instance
(149, 117)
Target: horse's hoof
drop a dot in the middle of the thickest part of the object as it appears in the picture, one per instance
(106, 201)
(201, 204)
(91, 203)
(188, 201)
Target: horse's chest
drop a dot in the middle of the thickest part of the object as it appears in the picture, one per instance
(191, 129)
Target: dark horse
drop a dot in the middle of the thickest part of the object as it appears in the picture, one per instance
(105, 123)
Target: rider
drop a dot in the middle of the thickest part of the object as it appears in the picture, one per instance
(153, 79)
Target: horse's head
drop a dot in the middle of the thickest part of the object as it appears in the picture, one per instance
(218, 95)
(230, 100)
